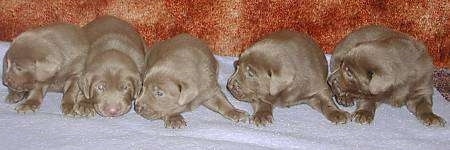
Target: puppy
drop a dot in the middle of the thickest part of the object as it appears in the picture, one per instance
(45, 59)
(284, 69)
(111, 79)
(376, 65)
(181, 74)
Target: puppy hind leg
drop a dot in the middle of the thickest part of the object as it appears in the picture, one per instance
(421, 107)
(221, 105)
(33, 100)
(323, 103)
(398, 98)
(15, 97)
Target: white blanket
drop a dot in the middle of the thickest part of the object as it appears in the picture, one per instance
(298, 127)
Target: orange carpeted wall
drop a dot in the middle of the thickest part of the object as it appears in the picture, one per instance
(230, 26)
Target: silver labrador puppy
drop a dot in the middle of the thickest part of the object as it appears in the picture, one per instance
(112, 76)
(375, 65)
(48, 58)
(284, 69)
(181, 74)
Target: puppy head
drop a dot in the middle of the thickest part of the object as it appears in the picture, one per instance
(163, 95)
(350, 81)
(111, 85)
(24, 65)
(368, 70)
(257, 77)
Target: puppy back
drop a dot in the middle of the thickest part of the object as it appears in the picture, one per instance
(111, 33)
(294, 50)
(399, 46)
(62, 42)
(364, 34)
(183, 55)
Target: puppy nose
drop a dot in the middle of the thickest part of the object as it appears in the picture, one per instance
(112, 111)
(331, 80)
(229, 85)
(233, 84)
(5, 82)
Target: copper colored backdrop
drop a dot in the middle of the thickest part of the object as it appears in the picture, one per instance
(230, 26)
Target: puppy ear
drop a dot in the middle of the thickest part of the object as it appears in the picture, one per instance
(187, 93)
(279, 80)
(385, 75)
(6, 65)
(380, 83)
(46, 70)
(375, 57)
(84, 83)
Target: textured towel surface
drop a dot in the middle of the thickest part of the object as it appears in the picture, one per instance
(299, 127)
(442, 82)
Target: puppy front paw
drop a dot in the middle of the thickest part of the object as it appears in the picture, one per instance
(30, 105)
(431, 119)
(174, 122)
(262, 118)
(14, 97)
(338, 117)
(398, 102)
(237, 115)
(68, 109)
(85, 108)
(363, 116)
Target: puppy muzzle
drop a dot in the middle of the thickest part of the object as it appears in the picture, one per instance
(342, 97)
(146, 112)
(235, 90)
(18, 87)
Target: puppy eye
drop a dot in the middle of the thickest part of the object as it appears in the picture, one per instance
(124, 87)
(250, 73)
(100, 87)
(18, 68)
(370, 75)
(348, 72)
(159, 93)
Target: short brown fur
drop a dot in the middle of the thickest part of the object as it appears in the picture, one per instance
(375, 65)
(45, 59)
(181, 74)
(112, 76)
(284, 69)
